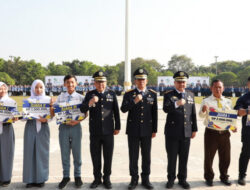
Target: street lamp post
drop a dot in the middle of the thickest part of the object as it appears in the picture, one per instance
(216, 57)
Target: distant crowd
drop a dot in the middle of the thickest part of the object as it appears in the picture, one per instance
(20, 90)
(24, 90)
(229, 91)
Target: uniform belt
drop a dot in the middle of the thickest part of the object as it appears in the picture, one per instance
(216, 131)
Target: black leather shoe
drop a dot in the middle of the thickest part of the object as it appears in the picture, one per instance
(64, 182)
(78, 182)
(170, 184)
(242, 181)
(95, 183)
(147, 184)
(209, 183)
(133, 184)
(226, 182)
(184, 184)
(107, 183)
(5, 183)
(29, 185)
(39, 185)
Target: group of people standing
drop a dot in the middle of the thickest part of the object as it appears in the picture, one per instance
(104, 122)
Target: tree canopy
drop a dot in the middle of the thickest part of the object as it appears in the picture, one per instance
(18, 71)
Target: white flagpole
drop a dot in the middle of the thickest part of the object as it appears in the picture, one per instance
(127, 76)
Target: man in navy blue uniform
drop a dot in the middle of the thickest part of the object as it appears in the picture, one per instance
(181, 125)
(141, 105)
(104, 123)
(243, 107)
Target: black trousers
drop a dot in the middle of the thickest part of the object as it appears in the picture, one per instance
(244, 158)
(174, 148)
(134, 144)
(97, 144)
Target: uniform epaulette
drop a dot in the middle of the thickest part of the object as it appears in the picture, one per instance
(153, 91)
(129, 90)
(169, 91)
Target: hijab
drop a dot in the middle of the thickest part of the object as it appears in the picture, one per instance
(37, 97)
(6, 96)
(33, 88)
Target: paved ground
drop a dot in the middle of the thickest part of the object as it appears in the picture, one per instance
(120, 173)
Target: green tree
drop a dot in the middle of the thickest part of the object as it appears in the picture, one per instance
(4, 77)
(74, 66)
(152, 74)
(166, 73)
(227, 66)
(53, 69)
(31, 71)
(1, 65)
(139, 62)
(228, 78)
(181, 63)
(243, 75)
(246, 63)
(201, 69)
(112, 74)
(87, 68)
(152, 66)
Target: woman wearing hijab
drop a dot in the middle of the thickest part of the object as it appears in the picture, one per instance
(7, 141)
(36, 143)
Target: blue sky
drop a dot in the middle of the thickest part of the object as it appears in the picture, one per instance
(93, 30)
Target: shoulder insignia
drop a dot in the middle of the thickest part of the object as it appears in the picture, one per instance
(153, 91)
(169, 91)
(129, 90)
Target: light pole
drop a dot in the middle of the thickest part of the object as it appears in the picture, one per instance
(216, 57)
(127, 76)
